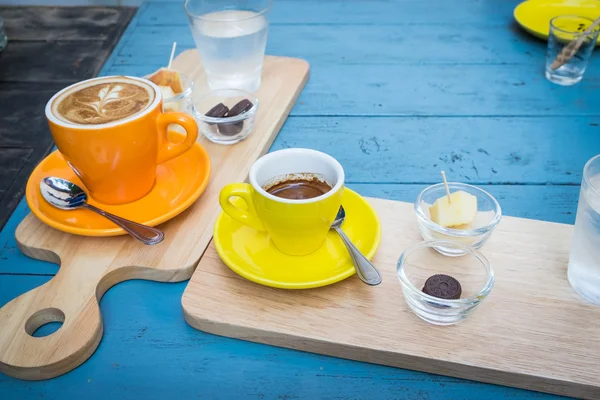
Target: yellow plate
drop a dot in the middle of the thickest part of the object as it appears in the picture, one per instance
(251, 254)
(535, 15)
(179, 182)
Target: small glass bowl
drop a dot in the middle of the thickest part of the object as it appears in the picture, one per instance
(473, 272)
(182, 101)
(474, 235)
(227, 130)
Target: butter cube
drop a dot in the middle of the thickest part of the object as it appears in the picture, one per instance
(462, 210)
(167, 92)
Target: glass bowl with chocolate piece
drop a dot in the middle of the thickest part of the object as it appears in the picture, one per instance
(443, 290)
(468, 217)
(226, 116)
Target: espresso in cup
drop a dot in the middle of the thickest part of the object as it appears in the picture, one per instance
(298, 186)
(113, 133)
(294, 195)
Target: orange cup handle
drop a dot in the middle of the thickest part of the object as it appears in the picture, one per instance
(167, 149)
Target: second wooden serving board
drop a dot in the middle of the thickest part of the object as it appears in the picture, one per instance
(532, 331)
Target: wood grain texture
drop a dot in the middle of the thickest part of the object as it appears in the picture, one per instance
(22, 119)
(90, 266)
(73, 63)
(63, 23)
(40, 37)
(370, 12)
(408, 90)
(15, 162)
(148, 351)
(48, 48)
(532, 332)
(361, 44)
(549, 203)
(468, 149)
(541, 202)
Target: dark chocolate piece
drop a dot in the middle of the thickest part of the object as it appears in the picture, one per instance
(240, 108)
(443, 287)
(232, 128)
(218, 111)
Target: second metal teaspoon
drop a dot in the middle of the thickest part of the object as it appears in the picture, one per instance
(365, 270)
(66, 195)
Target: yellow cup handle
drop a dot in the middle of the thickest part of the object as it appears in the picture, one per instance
(246, 217)
(167, 149)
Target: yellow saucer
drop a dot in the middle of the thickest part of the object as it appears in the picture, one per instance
(251, 253)
(179, 182)
(535, 15)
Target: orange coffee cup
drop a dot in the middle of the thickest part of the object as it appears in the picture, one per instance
(113, 133)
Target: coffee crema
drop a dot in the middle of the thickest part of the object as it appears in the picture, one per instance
(301, 187)
(102, 101)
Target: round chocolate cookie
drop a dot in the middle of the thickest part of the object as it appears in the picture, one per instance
(443, 287)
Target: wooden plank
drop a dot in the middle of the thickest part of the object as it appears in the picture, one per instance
(74, 291)
(438, 90)
(371, 12)
(12, 161)
(523, 335)
(548, 203)
(361, 44)
(22, 118)
(71, 61)
(16, 189)
(64, 23)
(198, 365)
(476, 150)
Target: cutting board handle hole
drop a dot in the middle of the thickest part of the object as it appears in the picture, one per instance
(45, 322)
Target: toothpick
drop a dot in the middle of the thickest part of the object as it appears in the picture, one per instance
(172, 54)
(446, 185)
(571, 49)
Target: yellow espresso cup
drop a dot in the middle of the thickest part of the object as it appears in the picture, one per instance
(296, 227)
(113, 133)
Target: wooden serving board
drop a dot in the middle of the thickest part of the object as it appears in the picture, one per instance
(532, 331)
(90, 266)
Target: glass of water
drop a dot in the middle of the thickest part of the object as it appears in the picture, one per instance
(584, 262)
(231, 36)
(564, 30)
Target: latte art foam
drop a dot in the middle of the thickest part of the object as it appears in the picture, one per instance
(103, 101)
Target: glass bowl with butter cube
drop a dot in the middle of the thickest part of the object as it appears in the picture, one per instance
(175, 87)
(457, 212)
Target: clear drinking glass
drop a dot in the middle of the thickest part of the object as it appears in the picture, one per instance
(584, 262)
(564, 30)
(3, 37)
(231, 36)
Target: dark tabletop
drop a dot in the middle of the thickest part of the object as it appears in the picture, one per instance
(49, 48)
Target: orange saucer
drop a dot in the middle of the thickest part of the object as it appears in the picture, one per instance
(179, 182)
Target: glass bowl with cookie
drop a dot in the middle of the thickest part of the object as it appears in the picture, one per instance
(443, 290)
(225, 116)
(457, 212)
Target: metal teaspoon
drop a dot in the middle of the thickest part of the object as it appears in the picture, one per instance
(365, 270)
(66, 195)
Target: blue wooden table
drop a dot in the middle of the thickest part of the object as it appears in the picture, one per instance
(398, 91)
